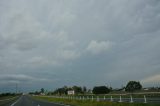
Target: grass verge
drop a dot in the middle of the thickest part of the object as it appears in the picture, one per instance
(8, 100)
(89, 102)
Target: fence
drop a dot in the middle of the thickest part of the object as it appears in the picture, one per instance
(130, 99)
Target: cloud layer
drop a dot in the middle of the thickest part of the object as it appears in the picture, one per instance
(79, 42)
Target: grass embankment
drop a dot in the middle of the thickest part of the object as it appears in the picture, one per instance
(7, 100)
(6, 97)
(89, 102)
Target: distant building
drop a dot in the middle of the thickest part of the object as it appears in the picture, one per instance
(71, 92)
(145, 89)
(42, 93)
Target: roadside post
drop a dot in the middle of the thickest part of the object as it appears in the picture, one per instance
(131, 99)
(92, 98)
(145, 100)
(97, 99)
(111, 99)
(87, 97)
(83, 98)
(120, 99)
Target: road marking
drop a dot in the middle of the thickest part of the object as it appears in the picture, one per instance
(59, 104)
(16, 101)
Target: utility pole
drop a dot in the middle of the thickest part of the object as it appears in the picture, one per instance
(16, 87)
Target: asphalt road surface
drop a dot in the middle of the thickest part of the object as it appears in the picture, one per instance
(28, 101)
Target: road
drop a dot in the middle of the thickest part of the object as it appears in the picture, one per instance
(25, 100)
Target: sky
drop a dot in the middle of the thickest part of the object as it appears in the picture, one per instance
(52, 43)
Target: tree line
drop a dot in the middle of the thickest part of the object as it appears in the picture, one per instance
(131, 86)
(8, 94)
(65, 89)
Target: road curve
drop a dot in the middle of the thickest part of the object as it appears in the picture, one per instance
(25, 100)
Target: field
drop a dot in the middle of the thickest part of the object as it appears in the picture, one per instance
(90, 102)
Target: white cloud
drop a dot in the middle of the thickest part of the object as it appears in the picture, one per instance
(24, 32)
(67, 54)
(96, 47)
(152, 79)
(39, 61)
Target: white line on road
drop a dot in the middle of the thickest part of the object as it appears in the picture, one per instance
(59, 104)
(16, 101)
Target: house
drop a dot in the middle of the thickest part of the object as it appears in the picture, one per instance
(70, 92)
(145, 89)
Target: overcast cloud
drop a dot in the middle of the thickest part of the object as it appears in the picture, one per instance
(52, 43)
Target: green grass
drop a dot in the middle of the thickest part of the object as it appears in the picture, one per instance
(89, 102)
(7, 100)
(6, 97)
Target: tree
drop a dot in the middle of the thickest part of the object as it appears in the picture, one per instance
(60, 91)
(77, 89)
(84, 89)
(101, 90)
(42, 90)
(133, 86)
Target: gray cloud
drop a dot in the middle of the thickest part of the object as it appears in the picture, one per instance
(80, 42)
(155, 79)
(98, 47)
(20, 78)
